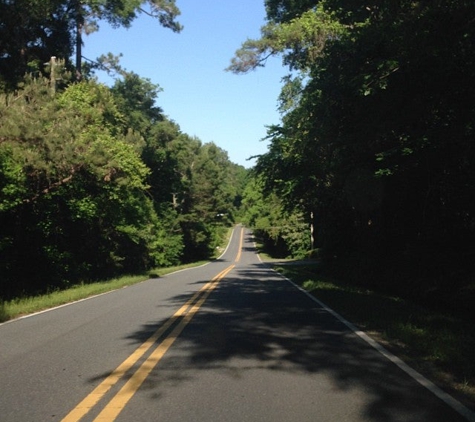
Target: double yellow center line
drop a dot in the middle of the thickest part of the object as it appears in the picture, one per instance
(180, 320)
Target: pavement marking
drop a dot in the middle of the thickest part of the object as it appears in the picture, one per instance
(102, 294)
(238, 256)
(96, 395)
(120, 400)
(429, 385)
(93, 398)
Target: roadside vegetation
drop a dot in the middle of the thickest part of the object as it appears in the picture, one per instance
(375, 149)
(96, 182)
(371, 169)
(24, 305)
(30, 304)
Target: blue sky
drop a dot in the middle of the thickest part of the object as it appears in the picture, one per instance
(204, 100)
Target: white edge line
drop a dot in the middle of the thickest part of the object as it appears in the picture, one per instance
(230, 238)
(57, 307)
(207, 263)
(429, 385)
(111, 291)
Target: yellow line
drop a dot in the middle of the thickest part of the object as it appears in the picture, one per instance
(238, 257)
(120, 400)
(93, 398)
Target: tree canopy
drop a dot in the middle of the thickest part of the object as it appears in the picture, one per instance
(96, 181)
(33, 31)
(376, 138)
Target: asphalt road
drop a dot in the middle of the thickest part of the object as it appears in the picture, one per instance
(228, 341)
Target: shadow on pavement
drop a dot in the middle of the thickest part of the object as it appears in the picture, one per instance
(256, 321)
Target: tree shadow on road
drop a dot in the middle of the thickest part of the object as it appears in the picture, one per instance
(256, 321)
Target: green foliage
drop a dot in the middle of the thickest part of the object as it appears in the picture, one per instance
(376, 138)
(136, 98)
(13, 179)
(124, 12)
(84, 16)
(436, 342)
(74, 200)
(281, 11)
(96, 181)
(302, 38)
(283, 232)
(208, 197)
(31, 32)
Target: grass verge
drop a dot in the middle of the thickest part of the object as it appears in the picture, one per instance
(436, 344)
(27, 305)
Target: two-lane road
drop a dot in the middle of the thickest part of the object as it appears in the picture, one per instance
(228, 341)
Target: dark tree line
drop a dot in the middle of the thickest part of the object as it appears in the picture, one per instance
(377, 137)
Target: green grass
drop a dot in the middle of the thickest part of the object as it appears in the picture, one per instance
(27, 305)
(437, 344)
(224, 237)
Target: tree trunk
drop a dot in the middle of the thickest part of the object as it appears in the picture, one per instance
(79, 28)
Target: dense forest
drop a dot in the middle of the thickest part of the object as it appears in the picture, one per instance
(376, 144)
(371, 168)
(96, 181)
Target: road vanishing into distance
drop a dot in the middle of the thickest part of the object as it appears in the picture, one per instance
(229, 341)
